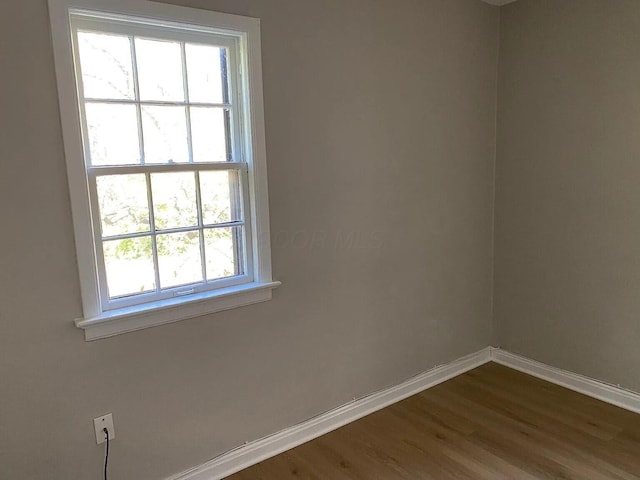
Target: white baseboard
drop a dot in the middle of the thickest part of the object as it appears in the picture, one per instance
(259, 450)
(578, 383)
(255, 452)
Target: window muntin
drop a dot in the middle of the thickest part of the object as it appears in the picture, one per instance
(162, 130)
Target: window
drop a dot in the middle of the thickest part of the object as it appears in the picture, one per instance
(164, 138)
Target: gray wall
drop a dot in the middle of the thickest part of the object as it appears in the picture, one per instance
(567, 270)
(380, 118)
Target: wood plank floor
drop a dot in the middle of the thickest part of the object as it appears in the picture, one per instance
(491, 423)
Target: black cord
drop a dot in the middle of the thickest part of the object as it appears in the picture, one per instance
(106, 454)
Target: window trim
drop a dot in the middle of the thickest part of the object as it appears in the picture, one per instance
(96, 322)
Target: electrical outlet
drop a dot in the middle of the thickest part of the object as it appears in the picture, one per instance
(105, 421)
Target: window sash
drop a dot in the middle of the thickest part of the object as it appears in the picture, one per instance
(242, 245)
(216, 38)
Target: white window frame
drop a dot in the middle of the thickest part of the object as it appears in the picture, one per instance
(257, 283)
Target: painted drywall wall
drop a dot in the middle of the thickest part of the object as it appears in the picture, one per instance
(380, 141)
(567, 216)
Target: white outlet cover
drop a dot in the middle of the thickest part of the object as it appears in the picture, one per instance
(105, 421)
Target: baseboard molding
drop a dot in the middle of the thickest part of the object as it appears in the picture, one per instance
(255, 452)
(259, 450)
(578, 383)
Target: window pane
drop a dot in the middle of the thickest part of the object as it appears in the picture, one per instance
(123, 204)
(113, 134)
(159, 70)
(220, 195)
(165, 134)
(219, 244)
(179, 259)
(129, 265)
(206, 70)
(174, 200)
(107, 71)
(209, 134)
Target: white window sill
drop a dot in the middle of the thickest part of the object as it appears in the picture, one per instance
(130, 319)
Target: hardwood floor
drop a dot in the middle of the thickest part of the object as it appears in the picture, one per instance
(491, 423)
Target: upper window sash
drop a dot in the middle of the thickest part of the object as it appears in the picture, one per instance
(236, 104)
